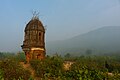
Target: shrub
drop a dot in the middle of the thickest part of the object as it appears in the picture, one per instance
(49, 67)
(1, 74)
(13, 70)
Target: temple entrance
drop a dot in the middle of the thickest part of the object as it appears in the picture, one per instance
(38, 56)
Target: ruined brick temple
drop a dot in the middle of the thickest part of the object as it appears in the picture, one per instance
(34, 40)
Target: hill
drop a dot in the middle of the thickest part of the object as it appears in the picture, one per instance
(105, 39)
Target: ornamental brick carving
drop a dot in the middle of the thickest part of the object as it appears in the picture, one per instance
(34, 40)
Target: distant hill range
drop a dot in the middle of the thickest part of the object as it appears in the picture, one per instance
(102, 40)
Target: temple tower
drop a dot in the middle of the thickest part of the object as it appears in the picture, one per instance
(34, 40)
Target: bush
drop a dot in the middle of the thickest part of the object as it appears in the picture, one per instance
(20, 57)
(13, 70)
(85, 68)
(1, 74)
(84, 73)
(49, 67)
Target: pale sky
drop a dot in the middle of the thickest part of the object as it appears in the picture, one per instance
(64, 18)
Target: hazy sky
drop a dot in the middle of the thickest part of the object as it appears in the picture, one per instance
(64, 18)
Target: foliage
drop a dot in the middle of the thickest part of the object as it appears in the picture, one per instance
(67, 55)
(102, 67)
(50, 67)
(4, 55)
(20, 57)
(1, 74)
(1, 56)
(85, 72)
(84, 68)
(88, 52)
(12, 70)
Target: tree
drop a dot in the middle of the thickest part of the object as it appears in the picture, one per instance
(1, 55)
(67, 55)
(88, 52)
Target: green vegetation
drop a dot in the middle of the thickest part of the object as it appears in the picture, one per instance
(50, 68)
(84, 67)
(10, 68)
(13, 70)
